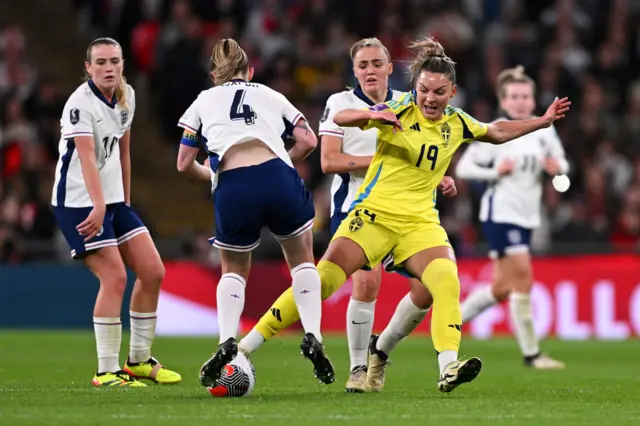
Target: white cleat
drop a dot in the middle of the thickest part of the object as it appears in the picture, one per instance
(545, 362)
(459, 372)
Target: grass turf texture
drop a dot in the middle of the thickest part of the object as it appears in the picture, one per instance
(45, 380)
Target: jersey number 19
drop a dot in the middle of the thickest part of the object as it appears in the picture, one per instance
(242, 111)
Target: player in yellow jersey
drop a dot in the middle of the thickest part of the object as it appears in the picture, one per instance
(395, 211)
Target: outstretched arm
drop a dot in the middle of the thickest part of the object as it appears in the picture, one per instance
(504, 131)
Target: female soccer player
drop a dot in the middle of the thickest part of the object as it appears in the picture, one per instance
(394, 210)
(255, 185)
(510, 209)
(91, 199)
(348, 152)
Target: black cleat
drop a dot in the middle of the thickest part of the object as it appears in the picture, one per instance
(212, 369)
(313, 350)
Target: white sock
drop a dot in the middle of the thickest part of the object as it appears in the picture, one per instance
(445, 358)
(522, 316)
(143, 330)
(230, 301)
(477, 302)
(359, 327)
(405, 319)
(252, 341)
(306, 292)
(108, 332)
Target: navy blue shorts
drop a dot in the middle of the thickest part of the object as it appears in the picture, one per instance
(506, 238)
(120, 224)
(270, 194)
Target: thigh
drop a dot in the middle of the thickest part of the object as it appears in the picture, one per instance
(106, 264)
(375, 235)
(68, 218)
(238, 212)
(424, 237)
(516, 272)
(418, 262)
(126, 223)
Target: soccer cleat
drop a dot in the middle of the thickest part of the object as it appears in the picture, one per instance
(459, 372)
(313, 350)
(116, 379)
(212, 369)
(357, 382)
(378, 362)
(152, 370)
(543, 362)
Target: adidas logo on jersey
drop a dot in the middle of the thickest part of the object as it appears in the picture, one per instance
(415, 127)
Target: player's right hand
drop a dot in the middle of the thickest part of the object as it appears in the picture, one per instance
(556, 110)
(91, 226)
(506, 167)
(387, 117)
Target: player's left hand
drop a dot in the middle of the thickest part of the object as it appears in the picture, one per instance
(551, 166)
(448, 187)
(556, 110)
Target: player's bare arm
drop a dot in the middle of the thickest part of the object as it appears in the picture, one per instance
(333, 160)
(359, 118)
(188, 165)
(87, 154)
(306, 141)
(125, 162)
(504, 131)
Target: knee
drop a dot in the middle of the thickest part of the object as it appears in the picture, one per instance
(153, 275)
(500, 292)
(366, 286)
(420, 296)
(441, 277)
(115, 281)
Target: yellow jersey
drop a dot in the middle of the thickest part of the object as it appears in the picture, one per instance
(402, 181)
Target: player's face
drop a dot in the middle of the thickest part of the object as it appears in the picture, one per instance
(372, 69)
(433, 91)
(518, 101)
(106, 66)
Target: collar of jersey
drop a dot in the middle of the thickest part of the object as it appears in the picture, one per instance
(359, 93)
(238, 80)
(100, 96)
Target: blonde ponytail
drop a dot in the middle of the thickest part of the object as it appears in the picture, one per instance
(227, 60)
(430, 57)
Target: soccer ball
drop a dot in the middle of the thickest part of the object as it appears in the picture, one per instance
(238, 378)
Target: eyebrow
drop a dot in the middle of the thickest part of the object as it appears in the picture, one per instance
(364, 61)
(425, 87)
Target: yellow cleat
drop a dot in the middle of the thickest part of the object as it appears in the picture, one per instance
(152, 370)
(118, 379)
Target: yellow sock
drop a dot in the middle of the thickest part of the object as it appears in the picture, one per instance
(283, 313)
(441, 278)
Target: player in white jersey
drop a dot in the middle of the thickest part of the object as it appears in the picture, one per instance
(241, 125)
(510, 210)
(91, 199)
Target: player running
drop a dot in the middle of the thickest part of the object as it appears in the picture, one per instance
(255, 185)
(347, 152)
(91, 199)
(510, 210)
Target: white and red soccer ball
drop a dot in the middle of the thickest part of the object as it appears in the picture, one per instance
(238, 379)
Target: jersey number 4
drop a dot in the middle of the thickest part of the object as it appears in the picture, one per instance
(432, 155)
(109, 143)
(242, 111)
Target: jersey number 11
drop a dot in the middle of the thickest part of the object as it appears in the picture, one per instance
(242, 111)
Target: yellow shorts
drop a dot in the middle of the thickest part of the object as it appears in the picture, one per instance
(379, 236)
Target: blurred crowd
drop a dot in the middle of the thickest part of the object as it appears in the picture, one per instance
(30, 108)
(588, 50)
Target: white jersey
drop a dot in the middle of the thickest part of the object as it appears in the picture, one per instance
(88, 113)
(514, 198)
(237, 112)
(354, 142)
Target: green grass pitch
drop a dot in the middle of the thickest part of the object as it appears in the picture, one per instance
(45, 380)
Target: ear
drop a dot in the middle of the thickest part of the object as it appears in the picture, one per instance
(390, 68)
(250, 74)
(87, 66)
(454, 90)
